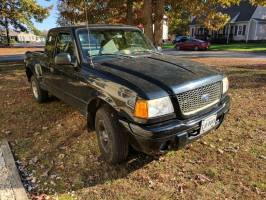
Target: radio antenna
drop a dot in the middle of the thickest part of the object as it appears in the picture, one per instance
(89, 38)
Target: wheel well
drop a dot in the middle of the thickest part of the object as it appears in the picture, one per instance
(29, 73)
(92, 108)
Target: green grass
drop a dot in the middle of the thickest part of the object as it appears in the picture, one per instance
(168, 46)
(255, 47)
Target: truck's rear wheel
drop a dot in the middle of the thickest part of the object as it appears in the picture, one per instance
(112, 139)
(39, 94)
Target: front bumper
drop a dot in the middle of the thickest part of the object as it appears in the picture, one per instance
(173, 134)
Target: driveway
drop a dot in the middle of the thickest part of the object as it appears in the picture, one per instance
(215, 54)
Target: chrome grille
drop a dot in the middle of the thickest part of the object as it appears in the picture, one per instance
(200, 98)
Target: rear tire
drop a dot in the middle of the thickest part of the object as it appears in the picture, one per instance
(39, 94)
(177, 48)
(112, 138)
(196, 48)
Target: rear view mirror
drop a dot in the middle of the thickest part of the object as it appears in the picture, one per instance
(63, 59)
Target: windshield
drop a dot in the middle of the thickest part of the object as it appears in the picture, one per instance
(113, 42)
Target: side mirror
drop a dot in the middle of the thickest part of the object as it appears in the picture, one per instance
(63, 59)
(159, 48)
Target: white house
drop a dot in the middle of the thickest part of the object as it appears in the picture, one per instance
(29, 37)
(22, 37)
(246, 23)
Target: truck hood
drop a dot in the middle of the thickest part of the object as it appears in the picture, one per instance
(159, 75)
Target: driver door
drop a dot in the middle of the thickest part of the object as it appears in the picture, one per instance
(66, 78)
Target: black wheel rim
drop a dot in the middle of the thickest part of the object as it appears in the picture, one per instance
(104, 136)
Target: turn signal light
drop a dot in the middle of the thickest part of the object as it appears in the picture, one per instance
(141, 109)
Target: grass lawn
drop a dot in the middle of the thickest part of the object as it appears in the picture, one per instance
(168, 46)
(239, 47)
(61, 159)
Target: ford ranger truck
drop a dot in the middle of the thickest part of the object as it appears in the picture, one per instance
(130, 93)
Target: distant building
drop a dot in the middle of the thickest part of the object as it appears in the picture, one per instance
(246, 23)
(22, 37)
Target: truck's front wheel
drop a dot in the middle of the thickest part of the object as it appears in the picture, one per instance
(112, 139)
(39, 94)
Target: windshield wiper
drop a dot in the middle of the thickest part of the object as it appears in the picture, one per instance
(115, 54)
(147, 51)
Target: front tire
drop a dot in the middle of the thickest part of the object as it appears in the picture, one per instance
(112, 139)
(39, 94)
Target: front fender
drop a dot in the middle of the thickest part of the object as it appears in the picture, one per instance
(119, 97)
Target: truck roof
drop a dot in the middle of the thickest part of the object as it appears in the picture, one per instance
(96, 26)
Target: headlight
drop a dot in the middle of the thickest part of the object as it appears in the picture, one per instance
(225, 84)
(153, 108)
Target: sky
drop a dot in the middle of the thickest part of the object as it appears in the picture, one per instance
(49, 22)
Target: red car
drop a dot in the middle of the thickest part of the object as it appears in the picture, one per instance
(192, 44)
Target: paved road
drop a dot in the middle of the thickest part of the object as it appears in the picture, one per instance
(219, 54)
(186, 54)
(12, 58)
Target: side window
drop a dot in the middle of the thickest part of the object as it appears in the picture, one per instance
(65, 45)
(183, 39)
(240, 30)
(50, 44)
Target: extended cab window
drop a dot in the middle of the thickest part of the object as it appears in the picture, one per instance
(65, 45)
(50, 44)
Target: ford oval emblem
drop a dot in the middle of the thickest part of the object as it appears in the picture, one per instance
(205, 97)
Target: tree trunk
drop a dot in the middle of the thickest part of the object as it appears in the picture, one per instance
(158, 22)
(7, 32)
(148, 23)
(129, 19)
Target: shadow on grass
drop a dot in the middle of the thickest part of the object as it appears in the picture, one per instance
(246, 77)
(8, 67)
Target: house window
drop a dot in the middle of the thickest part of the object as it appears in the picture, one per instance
(236, 27)
(240, 30)
(244, 30)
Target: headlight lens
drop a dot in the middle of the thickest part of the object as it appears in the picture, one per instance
(225, 84)
(153, 108)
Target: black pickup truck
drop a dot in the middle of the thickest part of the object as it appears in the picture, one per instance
(130, 93)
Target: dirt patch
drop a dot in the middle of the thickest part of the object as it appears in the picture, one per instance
(52, 144)
(17, 51)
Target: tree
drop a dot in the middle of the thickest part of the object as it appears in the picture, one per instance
(178, 23)
(18, 14)
(158, 21)
(99, 11)
(150, 13)
(147, 19)
(258, 2)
